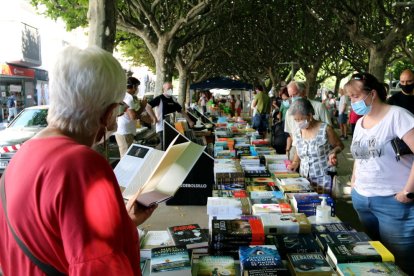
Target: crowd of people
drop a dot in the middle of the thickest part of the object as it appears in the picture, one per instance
(68, 208)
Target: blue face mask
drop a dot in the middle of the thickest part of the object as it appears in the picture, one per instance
(360, 107)
(286, 103)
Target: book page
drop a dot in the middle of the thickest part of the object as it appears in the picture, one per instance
(171, 171)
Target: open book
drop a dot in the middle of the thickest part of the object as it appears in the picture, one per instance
(168, 171)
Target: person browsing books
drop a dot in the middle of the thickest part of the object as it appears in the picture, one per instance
(382, 187)
(166, 104)
(317, 146)
(63, 200)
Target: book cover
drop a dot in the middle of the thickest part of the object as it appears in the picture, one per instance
(324, 239)
(237, 229)
(260, 260)
(274, 223)
(297, 180)
(258, 188)
(369, 269)
(294, 243)
(189, 235)
(368, 251)
(168, 175)
(230, 193)
(282, 208)
(335, 227)
(170, 259)
(265, 197)
(215, 265)
(296, 188)
(155, 238)
(309, 264)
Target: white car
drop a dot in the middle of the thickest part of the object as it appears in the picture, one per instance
(27, 124)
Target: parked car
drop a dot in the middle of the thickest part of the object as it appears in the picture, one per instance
(27, 124)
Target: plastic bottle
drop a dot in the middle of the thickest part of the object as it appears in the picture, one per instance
(323, 211)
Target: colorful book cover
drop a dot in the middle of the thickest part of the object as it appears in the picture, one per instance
(324, 239)
(189, 235)
(368, 251)
(215, 265)
(309, 264)
(293, 243)
(237, 229)
(282, 208)
(260, 260)
(169, 258)
(369, 269)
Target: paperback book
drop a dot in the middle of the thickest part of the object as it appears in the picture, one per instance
(237, 229)
(275, 223)
(190, 236)
(154, 239)
(294, 243)
(324, 239)
(368, 251)
(214, 265)
(369, 269)
(309, 264)
(171, 260)
(261, 260)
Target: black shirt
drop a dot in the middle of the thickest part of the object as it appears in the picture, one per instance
(169, 105)
(405, 101)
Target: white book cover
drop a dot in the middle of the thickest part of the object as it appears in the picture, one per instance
(168, 175)
(294, 181)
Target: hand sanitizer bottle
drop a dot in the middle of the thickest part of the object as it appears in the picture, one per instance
(323, 211)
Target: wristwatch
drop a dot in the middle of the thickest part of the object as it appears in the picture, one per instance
(409, 195)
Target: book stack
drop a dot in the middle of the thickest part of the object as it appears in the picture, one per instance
(294, 243)
(282, 207)
(294, 185)
(307, 202)
(228, 208)
(265, 197)
(228, 175)
(230, 193)
(228, 235)
(262, 150)
(275, 223)
(369, 268)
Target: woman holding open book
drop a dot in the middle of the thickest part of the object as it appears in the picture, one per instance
(316, 147)
(383, 185)
(60, 198)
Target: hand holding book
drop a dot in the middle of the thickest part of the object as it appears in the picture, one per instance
(139, 213)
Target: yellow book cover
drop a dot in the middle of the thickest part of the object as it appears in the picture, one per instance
(386, 255)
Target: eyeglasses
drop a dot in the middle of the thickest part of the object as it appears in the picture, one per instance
(366, 80)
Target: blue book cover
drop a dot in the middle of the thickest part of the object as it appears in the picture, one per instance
(260, 259)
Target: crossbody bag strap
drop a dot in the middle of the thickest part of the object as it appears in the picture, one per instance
(47, 269)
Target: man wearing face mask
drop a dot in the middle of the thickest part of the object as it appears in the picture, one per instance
(166, 104)
(296, 91)
(405, 98)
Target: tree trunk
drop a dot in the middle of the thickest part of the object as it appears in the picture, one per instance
(188, 98)
(182, 85)
(311, 84)
(102, 17)
(377, 62)
(337, 83)
(163, 67)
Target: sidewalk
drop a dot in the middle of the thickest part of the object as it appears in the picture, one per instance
(166, 216)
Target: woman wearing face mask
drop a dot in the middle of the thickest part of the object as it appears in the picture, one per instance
(317, 146)
(382, 187)
(62, 198)
(284, 105)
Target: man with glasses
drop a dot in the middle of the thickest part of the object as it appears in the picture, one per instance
(405, 98)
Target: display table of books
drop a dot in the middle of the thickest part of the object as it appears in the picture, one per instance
(263, 220)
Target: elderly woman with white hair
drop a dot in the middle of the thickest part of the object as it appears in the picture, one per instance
(317, 146)
(61, 198)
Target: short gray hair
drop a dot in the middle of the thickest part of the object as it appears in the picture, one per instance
(300, 85)
(302, 107)
(83, 84)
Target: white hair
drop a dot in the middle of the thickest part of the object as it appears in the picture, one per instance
(300, 85)
(83, 84)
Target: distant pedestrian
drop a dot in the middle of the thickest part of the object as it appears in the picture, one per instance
(11, 105)
(262, 104)
(405, 98)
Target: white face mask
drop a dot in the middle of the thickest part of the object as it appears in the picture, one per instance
(303, 124)
(169, 92)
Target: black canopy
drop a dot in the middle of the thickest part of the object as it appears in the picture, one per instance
(221, 83)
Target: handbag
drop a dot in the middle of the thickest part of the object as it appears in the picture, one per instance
(46, 268)
(400, 148)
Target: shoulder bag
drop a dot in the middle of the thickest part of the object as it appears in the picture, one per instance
(400, 148)
(47, 269)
